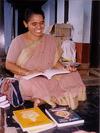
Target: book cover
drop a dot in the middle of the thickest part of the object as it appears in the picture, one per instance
(32, 119)
(47, 73)
(64, 116)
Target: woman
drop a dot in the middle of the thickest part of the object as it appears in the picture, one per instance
(35, 51)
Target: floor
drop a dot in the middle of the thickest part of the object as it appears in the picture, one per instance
(89, 110)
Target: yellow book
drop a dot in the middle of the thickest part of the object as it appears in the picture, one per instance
(32, 119)
(50, 128)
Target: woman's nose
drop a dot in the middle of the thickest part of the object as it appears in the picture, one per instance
(38, 26)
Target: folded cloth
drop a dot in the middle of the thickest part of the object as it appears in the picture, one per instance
(10, 88)
(4, 104)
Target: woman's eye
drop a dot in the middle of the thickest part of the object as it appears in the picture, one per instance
(35, 23)
(42, 23)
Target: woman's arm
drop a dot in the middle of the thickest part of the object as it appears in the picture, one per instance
(16, 69)
(58, 64)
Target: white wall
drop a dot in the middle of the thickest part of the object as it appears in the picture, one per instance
(60, 11)
(80, 18)
(8, 21)
(87, 20)
(49, 10)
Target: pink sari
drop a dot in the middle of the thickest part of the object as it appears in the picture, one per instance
(65, 89)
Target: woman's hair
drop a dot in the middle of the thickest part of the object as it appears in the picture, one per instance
(30, 11)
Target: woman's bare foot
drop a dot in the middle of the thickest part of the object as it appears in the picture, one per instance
(38, 102)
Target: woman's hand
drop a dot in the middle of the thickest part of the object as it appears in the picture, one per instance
(71, 68)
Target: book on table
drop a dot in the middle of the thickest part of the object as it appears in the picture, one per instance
(47, 73)
(32, 119)
(63, 116)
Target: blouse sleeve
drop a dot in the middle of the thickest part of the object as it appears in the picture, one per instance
(13, 51)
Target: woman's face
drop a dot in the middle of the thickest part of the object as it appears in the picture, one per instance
(36, 25)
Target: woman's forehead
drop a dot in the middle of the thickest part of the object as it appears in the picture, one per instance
(36, 17)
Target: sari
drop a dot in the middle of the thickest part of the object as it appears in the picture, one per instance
(63, 89)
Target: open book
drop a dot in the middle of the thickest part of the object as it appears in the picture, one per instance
(47, 73)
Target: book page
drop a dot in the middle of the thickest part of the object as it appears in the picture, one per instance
(47, 73)
(32, 75)
(51, 72)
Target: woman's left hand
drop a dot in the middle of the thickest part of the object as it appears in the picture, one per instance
(71, 68)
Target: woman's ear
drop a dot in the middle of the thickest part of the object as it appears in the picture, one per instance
(25, 24)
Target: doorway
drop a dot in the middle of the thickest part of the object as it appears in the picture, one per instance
(95, 35)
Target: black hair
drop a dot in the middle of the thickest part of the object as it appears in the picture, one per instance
(30, 11)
